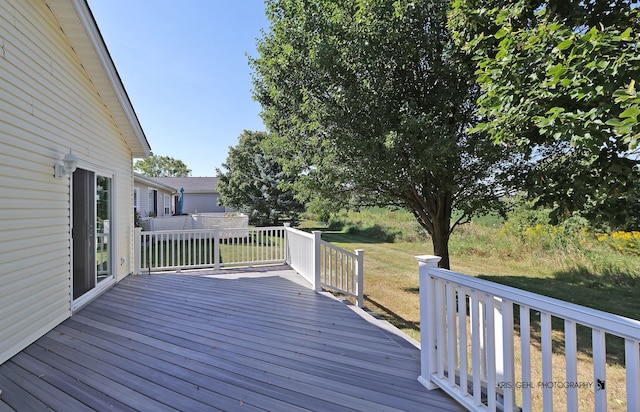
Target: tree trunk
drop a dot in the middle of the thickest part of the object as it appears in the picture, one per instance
(440, 239)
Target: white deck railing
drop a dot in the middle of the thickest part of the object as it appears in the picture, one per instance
(215, 248)
(467, 334)
(102, 253)
(325, 265)
(254, 246)
(301, 253)
(342, 270)
(321, 263)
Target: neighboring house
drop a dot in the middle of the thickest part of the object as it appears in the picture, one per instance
(63, 240)
(200, 193)
(152, 198)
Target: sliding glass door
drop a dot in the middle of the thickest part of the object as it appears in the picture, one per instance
(92, 230)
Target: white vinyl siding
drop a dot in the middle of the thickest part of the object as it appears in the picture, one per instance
(146, 202)
(48, 105)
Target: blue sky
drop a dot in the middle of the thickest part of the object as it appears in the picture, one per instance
(184, 65)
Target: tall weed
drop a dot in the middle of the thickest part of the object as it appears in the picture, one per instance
(526, 236)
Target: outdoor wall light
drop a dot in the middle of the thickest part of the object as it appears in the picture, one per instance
(68, 165)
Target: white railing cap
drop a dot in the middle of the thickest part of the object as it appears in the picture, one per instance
(428, 259)
(597, 319)
(299, 232)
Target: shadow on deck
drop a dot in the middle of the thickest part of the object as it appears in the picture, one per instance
(235, 339)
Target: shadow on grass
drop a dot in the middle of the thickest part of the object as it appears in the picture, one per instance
(608, 293)
(341, 237)
(609, 278)
(392, 317)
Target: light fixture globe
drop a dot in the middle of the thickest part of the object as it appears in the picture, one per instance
(70, 163)
(67, 167)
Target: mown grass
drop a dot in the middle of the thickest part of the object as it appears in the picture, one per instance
(574, 265)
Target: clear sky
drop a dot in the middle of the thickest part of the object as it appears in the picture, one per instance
(185, 68)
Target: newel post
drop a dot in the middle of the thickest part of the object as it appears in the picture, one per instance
(216, 247)
(316, 259)
(428, 332)
(137, 250)
(360, 277)
(287, 253)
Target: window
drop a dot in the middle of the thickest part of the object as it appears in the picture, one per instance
(167, 205)
(153, 202)
(136, 198)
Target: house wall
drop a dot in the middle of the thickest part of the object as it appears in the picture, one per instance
(144, 200)
(202, 203)
(48, 105)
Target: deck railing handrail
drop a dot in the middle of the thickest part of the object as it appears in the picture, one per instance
(486, 379)
(322, 264)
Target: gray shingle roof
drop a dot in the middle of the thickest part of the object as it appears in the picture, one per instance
(190, 184)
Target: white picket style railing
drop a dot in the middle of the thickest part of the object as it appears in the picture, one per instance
(214, 248)
(342, 270)
(253, 246)
(321, 263)
(325, 265)
(467, 335)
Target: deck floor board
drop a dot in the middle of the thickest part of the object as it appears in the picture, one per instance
(237, 339)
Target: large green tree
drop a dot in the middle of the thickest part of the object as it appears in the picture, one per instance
(370, 102)
(255, 183)
(161, 166)
(558, 83)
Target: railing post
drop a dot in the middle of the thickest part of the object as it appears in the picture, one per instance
(428, 352)
(137, 250)
(216, 247)
(632, 366)
(287, 253)
(360, 277)
(316, 259)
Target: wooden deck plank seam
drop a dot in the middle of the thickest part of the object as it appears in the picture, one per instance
(225, 326)
(278, 317)
(374, 363)
(334, 371)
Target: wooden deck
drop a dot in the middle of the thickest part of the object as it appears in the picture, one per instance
(229, 340)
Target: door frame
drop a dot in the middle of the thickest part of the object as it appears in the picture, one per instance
(101, 287)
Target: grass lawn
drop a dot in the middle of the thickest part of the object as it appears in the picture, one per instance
(576, 268)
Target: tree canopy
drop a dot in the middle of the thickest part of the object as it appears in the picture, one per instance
(255, 183)
(559, 70)
(370, 102)
(558, 83)
(161, 166)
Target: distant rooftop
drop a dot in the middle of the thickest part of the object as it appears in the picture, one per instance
(190, 184)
